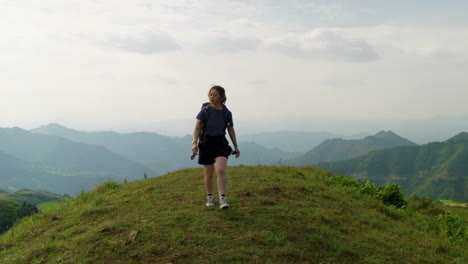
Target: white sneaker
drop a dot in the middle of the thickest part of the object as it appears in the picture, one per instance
(210, 200)
(222, 203)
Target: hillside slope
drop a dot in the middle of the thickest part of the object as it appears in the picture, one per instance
(340, 149)
(438, 169)
(277, 215)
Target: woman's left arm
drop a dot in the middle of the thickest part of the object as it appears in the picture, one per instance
(232, 135)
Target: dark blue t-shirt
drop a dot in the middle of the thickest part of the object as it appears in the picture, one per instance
(215, 125)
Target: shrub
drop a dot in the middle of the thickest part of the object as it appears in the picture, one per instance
(368, 187)
(391, 195)
(451, 227)
(425, 205)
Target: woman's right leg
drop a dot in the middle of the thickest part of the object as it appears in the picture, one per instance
(209, 171)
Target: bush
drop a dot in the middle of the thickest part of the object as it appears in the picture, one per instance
(391, 195)
(26, 209)
(368, 187)
(425, 206)
(451, 227)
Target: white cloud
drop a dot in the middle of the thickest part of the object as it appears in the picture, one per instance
(147, 42)
(225, 42)
(131, 61)
(323, 43)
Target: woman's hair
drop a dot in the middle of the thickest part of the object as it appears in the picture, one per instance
(221, 92)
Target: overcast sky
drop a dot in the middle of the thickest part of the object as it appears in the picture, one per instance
(127, 65)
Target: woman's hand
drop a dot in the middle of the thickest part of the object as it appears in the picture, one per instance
(237, 152)
(195, 148)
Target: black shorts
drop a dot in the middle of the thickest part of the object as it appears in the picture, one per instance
(213, 147)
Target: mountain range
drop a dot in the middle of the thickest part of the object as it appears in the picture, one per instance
(60, 153)
(290, 141)
(35, 161)
(162, 153)
(16, 174)
(341, 149)
(62, 160)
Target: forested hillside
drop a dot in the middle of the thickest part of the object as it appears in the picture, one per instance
(14, 206)
(438, 169)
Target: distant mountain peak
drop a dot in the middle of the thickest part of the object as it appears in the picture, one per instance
(388, 138)
(53, 125)
(384, 134)
(52, 128)
(462, 135)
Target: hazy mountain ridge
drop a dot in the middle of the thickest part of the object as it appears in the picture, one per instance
(172, 153)
(43, 162)
(61, 153)
(438, 169)
(290, 141)
(162, 153)
(62, 160)
(341, 149)
(19, 174)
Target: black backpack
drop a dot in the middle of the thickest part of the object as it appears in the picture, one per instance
(206, 107)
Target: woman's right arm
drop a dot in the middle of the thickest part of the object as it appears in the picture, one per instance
(196, 134)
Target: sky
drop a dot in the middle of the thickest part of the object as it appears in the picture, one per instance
(148, 65)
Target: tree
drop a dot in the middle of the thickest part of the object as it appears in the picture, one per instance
(8, 214)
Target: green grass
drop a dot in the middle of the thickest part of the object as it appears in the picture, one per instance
(49, 206)
(277, 215)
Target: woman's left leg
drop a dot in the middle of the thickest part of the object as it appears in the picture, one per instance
(220, 166)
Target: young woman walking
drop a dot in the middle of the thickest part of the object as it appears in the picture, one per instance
(213, 147)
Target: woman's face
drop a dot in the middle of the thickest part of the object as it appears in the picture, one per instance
(214, 97)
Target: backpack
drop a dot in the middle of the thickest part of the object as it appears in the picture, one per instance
(206, 107)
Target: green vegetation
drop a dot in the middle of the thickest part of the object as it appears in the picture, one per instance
(14, 206)
(277, 215)
(438, 170)
(49, 206)
(11, 211)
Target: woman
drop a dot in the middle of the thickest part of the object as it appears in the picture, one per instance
(214, 148)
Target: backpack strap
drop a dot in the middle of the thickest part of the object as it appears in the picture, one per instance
(207, 108)
(227, 120)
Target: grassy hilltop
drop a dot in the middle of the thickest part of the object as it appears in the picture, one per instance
(277, 215)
